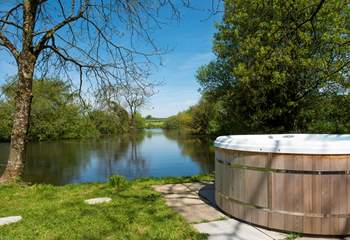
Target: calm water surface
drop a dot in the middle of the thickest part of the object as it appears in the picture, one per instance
(153, 152)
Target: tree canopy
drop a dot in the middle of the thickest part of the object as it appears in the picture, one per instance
(276, 61)
(57, 113)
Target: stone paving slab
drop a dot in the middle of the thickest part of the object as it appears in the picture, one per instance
(179, 200)
(181, 195)
(199, 213)
(100, 200)
(197, 186)
(273, 234)
(9, 220)
(232, 229)
(184, 198)
(318, 238)
(171, 188)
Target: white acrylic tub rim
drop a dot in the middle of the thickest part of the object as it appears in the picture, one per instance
(325, 144)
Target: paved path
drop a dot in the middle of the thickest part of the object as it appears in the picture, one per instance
(196, 203)
(232, 229)
(185, 199)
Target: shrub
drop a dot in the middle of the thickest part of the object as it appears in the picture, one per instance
(120, 183)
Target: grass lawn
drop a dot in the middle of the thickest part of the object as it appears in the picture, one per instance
(51, 212)
(155, 122)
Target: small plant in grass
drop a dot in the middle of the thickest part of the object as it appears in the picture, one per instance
(120, 183)
(292, 236)
(151, 197)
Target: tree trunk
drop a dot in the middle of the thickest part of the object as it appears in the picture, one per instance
(132, 122)
(20, 127)
(132, 118)
(26, 63)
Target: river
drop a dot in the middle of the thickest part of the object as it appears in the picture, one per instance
(148, 153)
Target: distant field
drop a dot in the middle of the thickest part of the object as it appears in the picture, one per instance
(155, 122)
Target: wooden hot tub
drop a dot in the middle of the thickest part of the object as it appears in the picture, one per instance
(298, 183)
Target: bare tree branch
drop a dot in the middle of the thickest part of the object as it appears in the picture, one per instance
(5, 42)
(6, 22)
(49, 33)
(5, 19)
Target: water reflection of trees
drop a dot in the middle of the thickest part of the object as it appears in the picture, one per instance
(137, 165)
(94, 160)
(56, 162)
(199, 149)
(64, 162)
(107, 154)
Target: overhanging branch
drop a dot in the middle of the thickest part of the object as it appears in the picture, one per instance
(5, 42)
(49, 33)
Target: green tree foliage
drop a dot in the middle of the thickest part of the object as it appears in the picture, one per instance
(201, 119)
(5, 120)
(57, 114)
(329, 115)
(110, 122)
(282, 66)
(180, 120)
(139, 121)
(204, 118)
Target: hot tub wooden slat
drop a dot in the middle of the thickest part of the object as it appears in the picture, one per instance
(287, 161)
(299, 201)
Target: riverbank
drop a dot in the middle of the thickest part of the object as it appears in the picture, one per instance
(52, 212)
(154, 122)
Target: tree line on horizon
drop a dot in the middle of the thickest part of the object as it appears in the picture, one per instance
(280, 67)
(58, 113)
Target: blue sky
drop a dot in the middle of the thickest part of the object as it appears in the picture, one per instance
(191, 42)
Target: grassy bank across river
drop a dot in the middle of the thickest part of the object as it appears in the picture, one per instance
(59, 212)
(155, 122)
